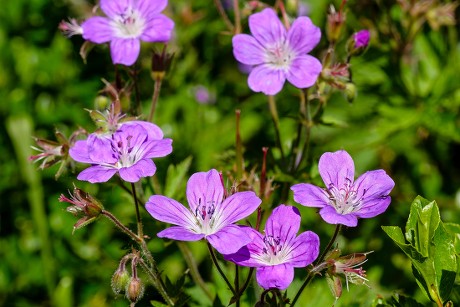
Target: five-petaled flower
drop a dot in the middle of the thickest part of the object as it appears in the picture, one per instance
(344, 200)
(128, 151)
(127, 23)
(277, 54)
(276, 253)
(210, 216)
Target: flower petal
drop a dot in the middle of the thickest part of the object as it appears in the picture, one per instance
(310, 195)
(154, 132)
(277, 276)
(125, 51)
(100, 149)
(236, 207)
(248, 255)
(336, 168)
(159, 148)
(247, 50)
(149, 7)
(79, 152)
(304, 250)
(303, 35)
(304, 71)
(97, 30)
(284, 222)
(170, 211)
(180, 233)
(205, 188)
(158, 28)
(114, 8)
(330, 215)
(266, 27)
(229, 239)
(143, 168)
(96, 174)
(267, 80)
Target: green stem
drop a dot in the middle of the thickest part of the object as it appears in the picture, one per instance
(276, 122)
(236, 11)
(224, 15)
(120, 226)
(214, 260)
(237, 285)
(306, 112)
(138, 216)
(239, 147)
(157, 282)
(246, 283)
(155, 95)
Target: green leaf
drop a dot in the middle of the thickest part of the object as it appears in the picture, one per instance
(175, 177)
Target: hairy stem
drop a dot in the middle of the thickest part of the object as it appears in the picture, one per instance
(155, 95)
(276, 122)
(214, 260)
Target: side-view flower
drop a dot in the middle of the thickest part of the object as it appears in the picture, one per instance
(210, 215)
(344, 200)
(276, 253)
(277, 54)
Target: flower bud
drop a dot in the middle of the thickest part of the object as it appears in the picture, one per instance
(335, 22)
(120, 280)
(134, 290)
(350, 92)
(358, 42)
(160, 64)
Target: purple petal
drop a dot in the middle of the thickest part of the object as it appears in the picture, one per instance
(284, 222)
(180, 233)
(158, 29)
(97, 173)
(277, 276)
(304, 250)
(374, 207)
(236, 207)
(267, 80)
(170, 211)
(304, 71)
(79, 152)
(229, 239)
(159, 148)
(247, 50)
(266, 27)
(125, 51)
(204, 188)
(336, 168)
(100, 150)
(97, 30)
(248, 255)
(114, 8)
(330, 215)
(310, 195)
(154, 132)
(143, 168)
(303, 35)
(149, 7)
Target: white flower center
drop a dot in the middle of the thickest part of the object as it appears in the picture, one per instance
(130, 24)
(205, 219)
(127, 153)
(345, 200)
(279, 55)
(274, 252)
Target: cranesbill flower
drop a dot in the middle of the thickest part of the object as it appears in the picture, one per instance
(276, 253)
(128, 152)
(210, 215)
(344, 200)
(277, 54)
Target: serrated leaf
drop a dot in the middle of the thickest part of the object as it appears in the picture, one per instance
(175, 177)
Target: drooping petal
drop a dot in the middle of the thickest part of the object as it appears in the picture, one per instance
(303, 35)
(159, 148)
(180, 233)
(336, 168)
(79, 152)
(248, 255)
(229, 239)
(143, 168)
(266, 27)
(247, 50)
(304, 71)
(96, 174)
(158, 28)
(97, 30)
(267, 80)
(284, 223)
(330, 215)
(204, 188)
(149, 7)
(124, 50)
(115, 8)
(236, 207)
(170, 211)
(277, 276)
(304, 250)
(310, 195)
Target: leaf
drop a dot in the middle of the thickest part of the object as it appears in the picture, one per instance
(175, 177)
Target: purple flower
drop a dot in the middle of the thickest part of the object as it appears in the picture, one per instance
(210, 215)
(280, 250)
(127, 23)
(344, 200)
(361, 38)
(278, 54)
(128, 152)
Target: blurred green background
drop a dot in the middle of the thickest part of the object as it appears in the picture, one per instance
(405, 119)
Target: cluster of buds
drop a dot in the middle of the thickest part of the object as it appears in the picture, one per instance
(131, 285)
(437, 14)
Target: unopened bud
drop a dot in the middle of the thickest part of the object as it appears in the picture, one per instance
(120, 280)
(161, 61)
(134, 290)
(350, 91)
(358, 42)
(335, 22)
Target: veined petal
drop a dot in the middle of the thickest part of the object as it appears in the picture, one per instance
(204, 189)
(248, 255)
(374, 184)
(267, 80)
(100, 149)
(284, 223)
(125, 50)
(277, 276)
(154, 132)
(229, 239)
(159, 148)
(247, 49)
(180, 233)
(266, 27)
(170, 211)
(79, 152)
(149, 7)
(143, 168)
(310, 195)
(373, 207)
(97, 29)
(304, 250)
(337, 168)
(330, 215)
(114, 8)
(236, 207)
(304, 71)
(303, 35)
(158, 28)
(96, 174)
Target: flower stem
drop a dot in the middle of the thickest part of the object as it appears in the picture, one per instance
(236, 11)
(155, 95)
(157, 282)
(120, 226)
(138, 216)
(237, 285)
(308, 124)
(276, 122)
(239, 147)
(224, 15)
(214, 260)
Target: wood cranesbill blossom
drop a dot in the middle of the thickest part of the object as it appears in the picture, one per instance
(276, 253)
(344, 200)
(278, 54)
(210, 215)
(128, 151)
